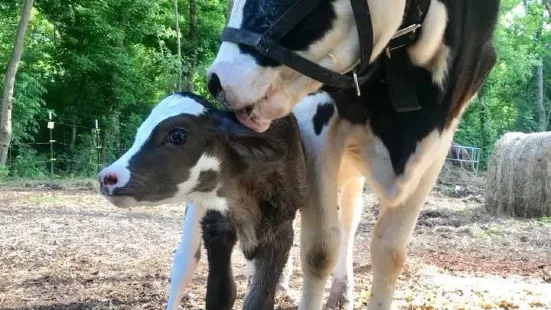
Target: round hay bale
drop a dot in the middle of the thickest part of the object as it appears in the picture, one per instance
(519, 175)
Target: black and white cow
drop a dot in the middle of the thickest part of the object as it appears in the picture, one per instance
(351, 139)
(242, 185)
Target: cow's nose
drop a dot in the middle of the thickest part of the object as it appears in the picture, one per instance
(214, 85)
(110, 179)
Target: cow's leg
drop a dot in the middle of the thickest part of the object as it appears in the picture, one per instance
(187, 255)
(220, 237)
(350, 213)
(269, 261)
(391, 236)
(320, 231)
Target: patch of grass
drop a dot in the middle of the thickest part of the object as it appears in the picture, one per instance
(4, 172)
(492, 233)
(56, 184)
(42, 200)
(544, 221)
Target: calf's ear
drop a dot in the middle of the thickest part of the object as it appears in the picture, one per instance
(249, 145)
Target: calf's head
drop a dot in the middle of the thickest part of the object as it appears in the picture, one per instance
(259, 88)
(184, 151)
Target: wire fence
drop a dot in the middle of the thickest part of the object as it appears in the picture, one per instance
(53, 160)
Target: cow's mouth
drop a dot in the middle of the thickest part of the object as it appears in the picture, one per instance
(251, 117)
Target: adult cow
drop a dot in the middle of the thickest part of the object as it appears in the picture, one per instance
(395, 116)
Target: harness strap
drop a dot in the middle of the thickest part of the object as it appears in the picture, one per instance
(275, 51)
(267, 44)
(365, 34)
(397, 68)
(414, 15)
(397, 64)
(294, 15)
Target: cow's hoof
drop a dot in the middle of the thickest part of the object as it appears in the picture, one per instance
(341, 296)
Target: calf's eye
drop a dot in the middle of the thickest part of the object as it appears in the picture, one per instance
(177, 136)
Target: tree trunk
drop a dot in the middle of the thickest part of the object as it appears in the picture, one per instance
(193, 40)
(540, 108)
(9, 82)
(548, 7)
(483, 123)
(73, 136)
(178, 37)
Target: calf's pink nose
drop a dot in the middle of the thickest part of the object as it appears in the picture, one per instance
(110, 179)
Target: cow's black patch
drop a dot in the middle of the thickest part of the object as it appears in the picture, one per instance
(469, 37)
(323, 115)
(259, 15)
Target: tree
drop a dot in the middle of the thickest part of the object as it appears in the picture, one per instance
(229, 8)
(192, 37)
(178, 36)
(539, 107)
(9, 82)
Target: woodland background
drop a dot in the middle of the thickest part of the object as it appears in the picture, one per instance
(112, 60)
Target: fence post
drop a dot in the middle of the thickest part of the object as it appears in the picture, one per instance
(97, 144)
(51, 126)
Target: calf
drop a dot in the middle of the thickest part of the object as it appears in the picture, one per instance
(245, 186)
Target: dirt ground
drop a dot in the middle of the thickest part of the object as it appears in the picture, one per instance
(70, 249)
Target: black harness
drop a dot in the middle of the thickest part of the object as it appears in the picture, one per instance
(394, 58)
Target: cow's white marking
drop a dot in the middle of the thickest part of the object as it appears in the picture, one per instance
(171, 106)
(386, 17)
(429, 51)
(305, 111)
(184, 262)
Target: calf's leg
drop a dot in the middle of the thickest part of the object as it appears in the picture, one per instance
(219, 237)
(187, 255)
(270, 258)
(283, 284)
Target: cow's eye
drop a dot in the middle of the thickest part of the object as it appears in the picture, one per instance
(177, 136)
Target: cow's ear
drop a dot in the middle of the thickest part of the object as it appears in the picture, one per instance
(249, 145)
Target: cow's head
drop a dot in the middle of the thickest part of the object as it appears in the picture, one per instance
(260, 89)
(184, 151)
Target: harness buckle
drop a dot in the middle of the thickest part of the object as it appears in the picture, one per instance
(404, 31)
(356, 83)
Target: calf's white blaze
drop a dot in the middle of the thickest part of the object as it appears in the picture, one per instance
(169, 107)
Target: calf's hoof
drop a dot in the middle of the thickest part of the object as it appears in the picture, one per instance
(284, 295)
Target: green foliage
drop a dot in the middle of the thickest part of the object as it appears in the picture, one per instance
(109, 60)
(507, 100)
(29, 163)
(4, 173)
